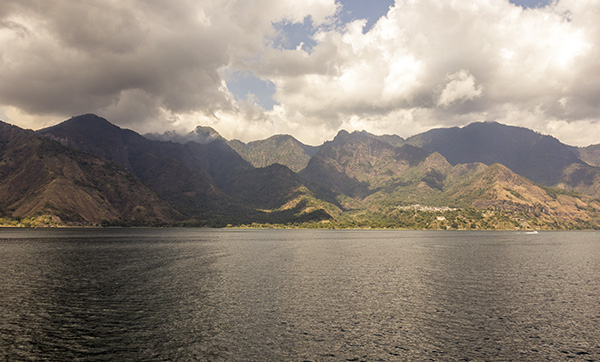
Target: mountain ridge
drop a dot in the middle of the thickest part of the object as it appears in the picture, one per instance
(194, 177)
(377, 174)
(357, 179)
(540, 158)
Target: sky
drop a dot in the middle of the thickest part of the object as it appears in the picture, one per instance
(254, 68)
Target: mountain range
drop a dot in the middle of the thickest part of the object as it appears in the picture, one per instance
(88, 171)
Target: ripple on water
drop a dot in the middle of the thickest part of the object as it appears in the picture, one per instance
(219, 295)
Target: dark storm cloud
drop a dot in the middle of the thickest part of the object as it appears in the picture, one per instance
(69, 57)
(120, 57)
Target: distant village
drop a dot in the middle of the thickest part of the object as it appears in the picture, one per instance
(418, 207)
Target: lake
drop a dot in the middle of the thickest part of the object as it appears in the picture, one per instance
(298, 295)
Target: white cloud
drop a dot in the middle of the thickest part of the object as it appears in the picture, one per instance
(460, 87)
(138, 61)
(447, 63)
(427, 63)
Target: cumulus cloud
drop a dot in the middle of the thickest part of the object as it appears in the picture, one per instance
(444, 63)
(460, 87)
(151, 65)
(140, 61)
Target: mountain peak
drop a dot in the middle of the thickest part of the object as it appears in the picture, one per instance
(278, 139)
(344, 136)
(204, 135)
(201, 134)
(435, 159)
(85, 124)
(90, 120)
(281, 148)
(341, 135)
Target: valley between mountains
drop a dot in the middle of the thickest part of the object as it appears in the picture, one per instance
(87, 171)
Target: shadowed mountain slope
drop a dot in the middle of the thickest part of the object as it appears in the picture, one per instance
(180, 178)
(281, 149)
(41, 177)
(196, 178)
(538, 157)
(542, 159)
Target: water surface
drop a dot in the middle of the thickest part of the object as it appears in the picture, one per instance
(298, 295)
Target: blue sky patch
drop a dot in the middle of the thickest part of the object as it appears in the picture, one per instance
(244, 84)
(371, 10)
(290, 36)
(531, 3)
